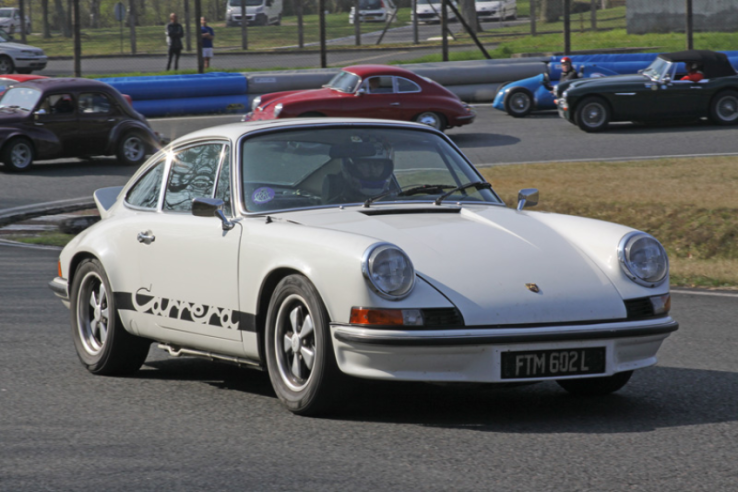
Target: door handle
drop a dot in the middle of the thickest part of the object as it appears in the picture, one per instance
(394, 104)
(146, 237)
(110, 120)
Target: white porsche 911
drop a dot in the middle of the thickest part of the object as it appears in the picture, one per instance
(324, 250)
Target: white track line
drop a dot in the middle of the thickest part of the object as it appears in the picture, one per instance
(704, 293)
(610, 159)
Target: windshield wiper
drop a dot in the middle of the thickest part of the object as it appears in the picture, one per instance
(415, 190)
(479, 185)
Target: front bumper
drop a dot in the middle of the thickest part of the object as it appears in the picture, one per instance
(474, 355)
(60, 287)
(31, 62)
(563, 107)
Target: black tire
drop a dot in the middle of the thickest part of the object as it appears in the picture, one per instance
(724, 108)
(28, 28)
(596, 386)
(262, 20)
(279, 20)
(104, 347)
(519, 102)
(24, 70)
(18, 155)
(6, 65)
(432, 119)
(299, 351)
(131, 149)
(593, 115)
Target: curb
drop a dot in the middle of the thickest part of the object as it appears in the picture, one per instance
(17, 214)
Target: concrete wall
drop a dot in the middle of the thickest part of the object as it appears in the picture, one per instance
(646, 16)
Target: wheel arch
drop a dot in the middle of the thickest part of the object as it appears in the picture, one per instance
(6, 139)
(75, 262)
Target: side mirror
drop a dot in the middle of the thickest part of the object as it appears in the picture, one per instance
(39, 113)
(527, 197)
(667, 79)
(211, 207)
(360, 92)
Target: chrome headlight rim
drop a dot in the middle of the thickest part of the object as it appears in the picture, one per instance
(624, 255)
(255, 103)
(367, 264)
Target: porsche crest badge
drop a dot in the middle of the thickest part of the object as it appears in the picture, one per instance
(533, 288)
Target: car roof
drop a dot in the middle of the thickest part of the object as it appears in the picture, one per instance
(714, 64)
(369, 70)
(66, 84)
(233, 131)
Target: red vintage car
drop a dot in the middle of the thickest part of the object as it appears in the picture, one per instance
(370, 91)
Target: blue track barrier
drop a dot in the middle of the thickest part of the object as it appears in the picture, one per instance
(193, 105)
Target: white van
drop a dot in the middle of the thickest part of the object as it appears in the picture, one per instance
(488, 10)
(258, 12)
(374, 11)
(430, 11)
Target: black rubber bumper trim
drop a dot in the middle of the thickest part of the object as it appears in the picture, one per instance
(429, 341)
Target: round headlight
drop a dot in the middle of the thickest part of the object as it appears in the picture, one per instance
(643, 259)
(389, 271)
(255, 103)
(277, 109)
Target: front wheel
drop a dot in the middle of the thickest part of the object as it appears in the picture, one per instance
(724, 108)
(434, 120)
(299, 352)
(104, 347)
(18, 155)
(593, 115)
(6, 65)
(596, 386)
(131, 149)
(519, 102)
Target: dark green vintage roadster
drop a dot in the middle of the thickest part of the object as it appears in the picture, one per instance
(656, 94)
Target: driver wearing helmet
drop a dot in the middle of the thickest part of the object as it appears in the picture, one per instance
(567, 70)
(693, 73)
(361, 177)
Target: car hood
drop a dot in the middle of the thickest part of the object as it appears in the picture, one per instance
(616, 81)
(16, 46)
(483, 258)
(309, 95)
(12, 117)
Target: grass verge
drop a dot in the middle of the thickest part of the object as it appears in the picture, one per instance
(44, 238)
(690, 205)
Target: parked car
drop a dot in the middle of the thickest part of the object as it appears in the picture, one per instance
(21, 58)
(370, 91)
(324, 249)
(374, 11)
(51, 118)
(429, 11)
(258, 12)
(656, 94)
(489, 10)
(10, 20)
(521, 97)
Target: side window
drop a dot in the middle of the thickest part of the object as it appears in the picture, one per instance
(223, 191)
(94, 103)
(58, 104)
(405, 85)
(145, 193)
(380, 85)
(191, 175)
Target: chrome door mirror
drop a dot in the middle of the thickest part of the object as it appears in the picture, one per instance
(39, 113)
(667, 79)
(527, 197)
(360, 92)
(211, 207)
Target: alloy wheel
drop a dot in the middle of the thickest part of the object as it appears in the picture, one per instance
(727, 108)
(294, 339)
(93, 313)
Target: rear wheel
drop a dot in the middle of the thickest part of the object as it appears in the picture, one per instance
(593, 115)
(519, 102)
(596, 386)
(434, 120)
(18, 155)
(104, 347)
(131, 149)
(724, 108)
(299, 352)
(6, 65)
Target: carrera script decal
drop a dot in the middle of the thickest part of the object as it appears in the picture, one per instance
(145, 303)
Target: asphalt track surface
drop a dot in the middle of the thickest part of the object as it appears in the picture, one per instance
(494, 138)
(194, 425)
(189, 424)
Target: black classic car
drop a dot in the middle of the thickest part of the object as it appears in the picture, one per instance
(655, 94)
(51, 118)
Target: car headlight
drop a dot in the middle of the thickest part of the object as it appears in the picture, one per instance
(389, 271)
(277, 109)
(255, 103)
(643, 259)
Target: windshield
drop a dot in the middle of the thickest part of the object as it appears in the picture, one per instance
(249, 3)
(344, 82)
(370, 4)
(20, 97)
(6, 12)
(428, 2)
(657, 69)
(340, 166)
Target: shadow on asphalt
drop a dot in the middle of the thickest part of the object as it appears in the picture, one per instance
(101, 166)
(658, 397)
(474, 140)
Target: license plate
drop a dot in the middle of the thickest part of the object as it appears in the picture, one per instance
(553, 363)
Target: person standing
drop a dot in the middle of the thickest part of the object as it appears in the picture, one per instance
(207, 42)
(174, 40)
